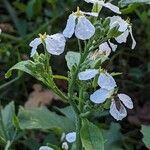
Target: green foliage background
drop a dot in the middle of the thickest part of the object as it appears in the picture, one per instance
(25, 20)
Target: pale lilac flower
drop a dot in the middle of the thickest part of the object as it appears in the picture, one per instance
(106, 48)
(45, 148)
(78, 23)
(124, 27)
(121, 112)
(55, 44)
(71, 137)
(107, 5)
(105, 81)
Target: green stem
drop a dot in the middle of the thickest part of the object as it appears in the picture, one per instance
(78, 139)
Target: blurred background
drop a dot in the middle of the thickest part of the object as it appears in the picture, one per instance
(22, 20)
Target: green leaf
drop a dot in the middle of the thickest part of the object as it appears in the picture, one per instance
(42, 118)
(68, 112)
(72, 59)
(113, 137)
(20, 66)
(34, 7)
(7, 117)
(146, 135)
(127, 2)
(91, 136)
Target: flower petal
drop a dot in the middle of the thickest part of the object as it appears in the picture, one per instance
(117, 114)
(34, 44)
(88, 74)
(112, 7)
(55, 44)
(123, 37)
(115, 20)
(84, 29)
(45, 148)
(71, 137)
(106, 81)
(92, 1)
(91, 14)
(70, 27)
(33, 51)
(126, 100)
(133, 40)
(113, 46)
(100, 96)
(105, 49)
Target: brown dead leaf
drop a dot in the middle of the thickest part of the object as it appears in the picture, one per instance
(6, 27)
(40, 97)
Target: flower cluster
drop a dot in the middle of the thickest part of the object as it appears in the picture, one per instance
(107, 87)
(79, 24)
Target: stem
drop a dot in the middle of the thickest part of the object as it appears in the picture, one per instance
(78, 139)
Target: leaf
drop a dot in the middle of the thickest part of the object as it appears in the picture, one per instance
(91, 136)
(7, 120)
(20, 66)
(68, 112)
(72, 59)
(34, 7)
(146, 135)
(113, 137)
(127, 2)
(42, 118)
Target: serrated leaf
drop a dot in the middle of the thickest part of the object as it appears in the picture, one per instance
(127, 2)
(91, 136)
(42, 118)
(72, 59)
(146, 135)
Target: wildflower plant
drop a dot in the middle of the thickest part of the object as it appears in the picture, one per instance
(91, 87)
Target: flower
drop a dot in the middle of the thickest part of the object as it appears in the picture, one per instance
(107, 5)
(77, 23)
(105, 81)
(120, 113)
(0, 30)
(71, 137)
(45, 148)
(107, 84)
(124, 27)
(55, 44)
(106, 47)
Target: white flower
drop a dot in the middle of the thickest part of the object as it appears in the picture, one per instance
(45, 148)
(55, 44)
(105, 81)
(124, 27)
(106, 48)
(120, 113)
(71, 137)
(65, 146)
(77, 23)
(107, 5)
(99, 96)
(0, 30)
